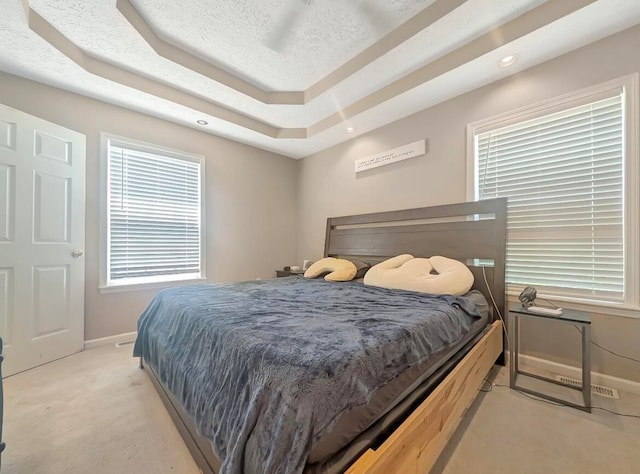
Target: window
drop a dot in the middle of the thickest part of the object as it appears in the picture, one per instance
(153, 214)
(568, 168)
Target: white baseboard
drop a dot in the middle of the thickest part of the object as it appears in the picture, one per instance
(530, 362)
(103, 341)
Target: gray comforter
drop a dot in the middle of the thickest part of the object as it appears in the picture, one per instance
(265, 368)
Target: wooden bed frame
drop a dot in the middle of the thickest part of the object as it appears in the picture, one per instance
(469, 232)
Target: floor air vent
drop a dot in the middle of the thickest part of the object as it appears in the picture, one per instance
(595, 389)
(125, 343)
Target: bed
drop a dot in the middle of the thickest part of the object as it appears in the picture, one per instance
(295, 375)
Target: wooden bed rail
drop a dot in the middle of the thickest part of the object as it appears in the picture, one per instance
(415, 446)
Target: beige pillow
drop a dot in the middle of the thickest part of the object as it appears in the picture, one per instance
(405, 272)
(338, 268)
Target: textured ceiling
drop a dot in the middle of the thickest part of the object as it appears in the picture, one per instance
(315, 38)
(290, 75)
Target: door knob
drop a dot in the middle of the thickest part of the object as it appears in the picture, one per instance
(77, 253)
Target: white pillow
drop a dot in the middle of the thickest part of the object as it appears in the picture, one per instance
(405, 272)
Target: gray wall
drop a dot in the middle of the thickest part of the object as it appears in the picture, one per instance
(250, 198)
(251, 201)
(328, 185)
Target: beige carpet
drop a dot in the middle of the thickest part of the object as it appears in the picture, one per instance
(96, 412)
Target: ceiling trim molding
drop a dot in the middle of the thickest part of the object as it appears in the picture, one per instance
(49, 33)
(424, 19)
(195, 63)
(186, 58)
(520, 26)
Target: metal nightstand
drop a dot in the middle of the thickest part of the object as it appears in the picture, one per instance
(568, 316)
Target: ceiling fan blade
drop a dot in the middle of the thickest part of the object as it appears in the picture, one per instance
(278, 35)
(374, 16)
(277, 38)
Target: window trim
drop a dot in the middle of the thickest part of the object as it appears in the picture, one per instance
(631, 85)
(104, 285)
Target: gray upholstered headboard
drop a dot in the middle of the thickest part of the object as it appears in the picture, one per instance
(472, 232)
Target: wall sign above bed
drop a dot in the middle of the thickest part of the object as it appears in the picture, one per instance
(391, 156)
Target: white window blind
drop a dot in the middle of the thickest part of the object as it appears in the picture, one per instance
(563, 176)
(154, 216)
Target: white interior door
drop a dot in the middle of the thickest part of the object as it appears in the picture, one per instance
(42, 187)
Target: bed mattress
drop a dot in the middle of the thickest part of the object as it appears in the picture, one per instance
(307, 366)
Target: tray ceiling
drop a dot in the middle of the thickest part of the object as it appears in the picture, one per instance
(290, 75)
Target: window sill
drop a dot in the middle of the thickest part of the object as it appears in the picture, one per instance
(595, 307)
(158, 285)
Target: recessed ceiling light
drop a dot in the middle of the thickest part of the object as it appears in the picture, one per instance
(350, 129)
(202, 122)
(508, 60)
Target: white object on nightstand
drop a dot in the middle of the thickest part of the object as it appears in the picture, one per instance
(546, 311)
